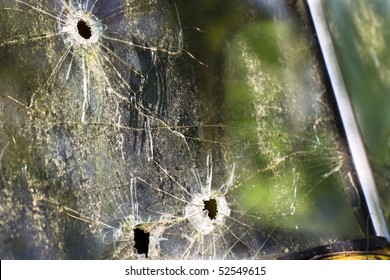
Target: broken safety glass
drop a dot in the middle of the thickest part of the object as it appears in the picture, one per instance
(161, 129)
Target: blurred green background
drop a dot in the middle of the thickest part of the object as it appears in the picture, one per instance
(360, 31)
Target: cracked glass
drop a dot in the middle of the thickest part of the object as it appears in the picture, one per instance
(157, 129)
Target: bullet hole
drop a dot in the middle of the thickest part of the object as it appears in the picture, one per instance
(211, 207)
(84, 29)
(141, 239)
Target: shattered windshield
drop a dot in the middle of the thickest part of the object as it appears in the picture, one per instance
(160, 129)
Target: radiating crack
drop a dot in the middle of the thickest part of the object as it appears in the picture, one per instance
(112, 148)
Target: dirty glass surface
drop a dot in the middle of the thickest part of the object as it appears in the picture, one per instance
(361, 37)
(167, 130)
